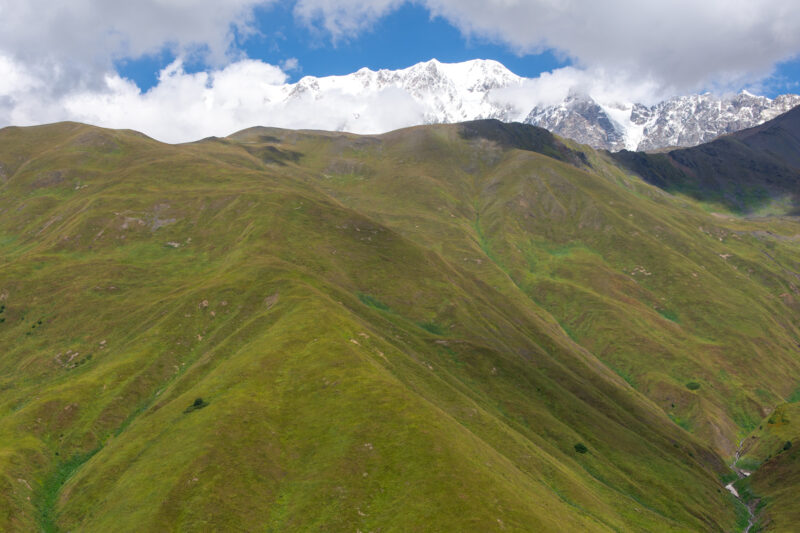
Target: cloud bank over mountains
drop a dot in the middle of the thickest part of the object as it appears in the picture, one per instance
(57, 58)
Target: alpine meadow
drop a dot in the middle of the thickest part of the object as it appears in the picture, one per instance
(465, 327)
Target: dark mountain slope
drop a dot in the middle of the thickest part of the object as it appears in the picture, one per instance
(747, 171)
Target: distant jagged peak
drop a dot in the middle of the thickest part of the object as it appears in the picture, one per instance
(472, 72)
(678, 121)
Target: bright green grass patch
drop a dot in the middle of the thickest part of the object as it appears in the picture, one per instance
(669, 315)
(682, 422)
(745, 420)
(795, 396)
(373, 302)
(742, 514)
(747, 464)
(48, 493)
(432, 327)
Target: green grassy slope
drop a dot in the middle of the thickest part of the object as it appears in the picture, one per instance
(408, 332)
(771, 451)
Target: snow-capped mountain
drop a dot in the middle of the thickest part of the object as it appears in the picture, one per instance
(371, 101)
(428, 93)
(679, 121)
(580, 118)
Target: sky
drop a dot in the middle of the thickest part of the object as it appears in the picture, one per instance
(180, 70)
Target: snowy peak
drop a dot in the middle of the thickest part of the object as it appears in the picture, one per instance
(680, 121)
(444, 92)
(579, 115)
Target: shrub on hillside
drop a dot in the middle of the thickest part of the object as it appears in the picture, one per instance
(581, 448)
(692, 385)
(199, 403)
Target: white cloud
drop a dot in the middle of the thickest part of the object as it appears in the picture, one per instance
(291, 65)
(551, 88)
(56, 58)
(72, 43)
(189, 106)
(344, 18)
(683, 45)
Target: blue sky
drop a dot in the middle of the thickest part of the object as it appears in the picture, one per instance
(403, 38)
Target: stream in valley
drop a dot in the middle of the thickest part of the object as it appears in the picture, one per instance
(742, 474)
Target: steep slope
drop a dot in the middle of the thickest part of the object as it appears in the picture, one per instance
(749, 171)
(770, 452)
(412, 331)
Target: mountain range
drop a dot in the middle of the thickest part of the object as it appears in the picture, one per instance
(678, 122)
(438, 93)
(455, 327)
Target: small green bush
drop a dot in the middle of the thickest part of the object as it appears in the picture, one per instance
(199, 403)
(787, 445)
(693, 385)
(581, 448)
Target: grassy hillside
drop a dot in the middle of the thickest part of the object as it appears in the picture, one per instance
(771, 452)
(471, 327)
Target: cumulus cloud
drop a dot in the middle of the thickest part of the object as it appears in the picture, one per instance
(550, 88)
(73, 43)
(683, 45)
(189, 106)
(57, 58)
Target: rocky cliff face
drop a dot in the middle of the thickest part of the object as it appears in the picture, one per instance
(580, 118)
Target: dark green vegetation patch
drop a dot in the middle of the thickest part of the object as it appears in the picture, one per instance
(199, 403)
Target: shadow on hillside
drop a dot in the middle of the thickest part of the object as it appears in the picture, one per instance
(515, 135)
